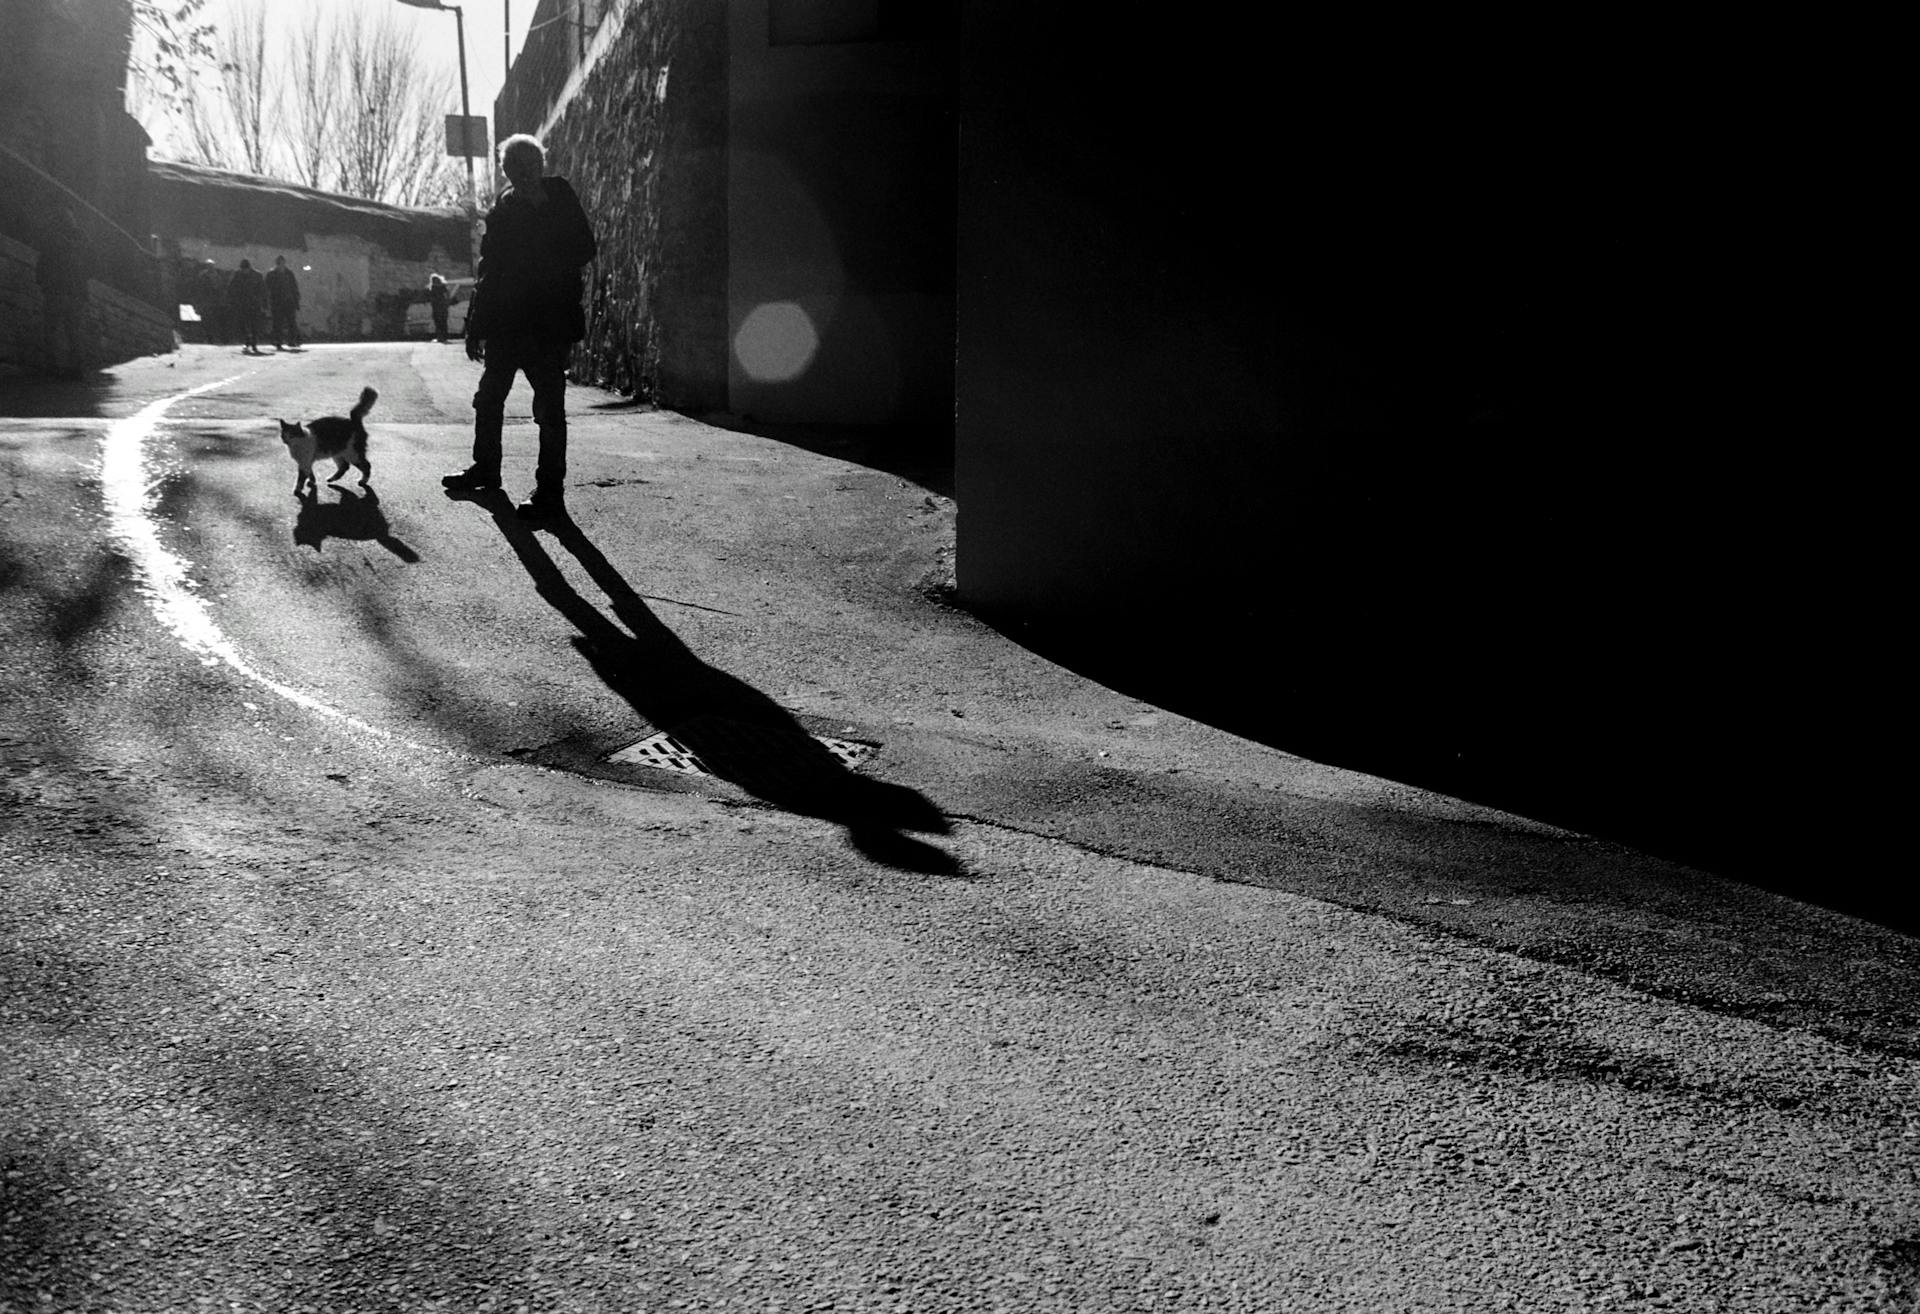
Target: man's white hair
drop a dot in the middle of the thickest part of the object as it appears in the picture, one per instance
(522, 143)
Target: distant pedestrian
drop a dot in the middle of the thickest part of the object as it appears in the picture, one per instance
(437, 298)
(210, 301)
(283, 304)
(62, 279)
(246, 293)
(525, 317)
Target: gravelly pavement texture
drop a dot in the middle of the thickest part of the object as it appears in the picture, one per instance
(295, 1016)
(407, 1056)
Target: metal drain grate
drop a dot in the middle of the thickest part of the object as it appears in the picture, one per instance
(738, 747)
(662, 751)
(850, 751)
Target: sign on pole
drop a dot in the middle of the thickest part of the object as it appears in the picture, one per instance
(467, 135)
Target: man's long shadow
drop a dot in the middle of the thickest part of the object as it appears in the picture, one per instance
(737, 732)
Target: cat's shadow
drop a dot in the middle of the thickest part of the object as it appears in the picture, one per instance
(355, 517)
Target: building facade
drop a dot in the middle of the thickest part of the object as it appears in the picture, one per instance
(358, 262)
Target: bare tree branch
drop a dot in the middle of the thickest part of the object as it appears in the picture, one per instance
(350, 107)
(207, 139)
(250, 98)
(310, 82)
(390, 135)
(171, 39)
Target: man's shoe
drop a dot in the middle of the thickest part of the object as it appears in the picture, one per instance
(470, 480)
(541, 508)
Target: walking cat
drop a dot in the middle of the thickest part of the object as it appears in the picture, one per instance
(341, 438)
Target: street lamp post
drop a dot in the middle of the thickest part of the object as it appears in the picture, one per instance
(466, 112)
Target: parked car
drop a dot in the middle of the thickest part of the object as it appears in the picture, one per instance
(459, 297)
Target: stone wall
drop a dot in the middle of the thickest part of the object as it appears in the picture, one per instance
(643, 140)
(67, 139)
(67, 146)
(562, 38)
(118, 327)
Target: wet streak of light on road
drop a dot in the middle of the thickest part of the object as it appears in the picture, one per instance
(164, 578)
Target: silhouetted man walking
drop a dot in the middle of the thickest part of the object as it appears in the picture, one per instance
(524, 319)
(283, 304)
(438, 301)
(246, 290)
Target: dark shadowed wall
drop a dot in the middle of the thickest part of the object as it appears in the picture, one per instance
(1129, 397)
(1408, 399)
(773, 183)
(1452, 402)
(68, 145)
(840, 205)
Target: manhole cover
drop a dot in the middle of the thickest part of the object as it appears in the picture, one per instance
(715, 746)
(662, 751)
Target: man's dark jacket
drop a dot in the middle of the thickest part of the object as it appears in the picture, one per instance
(530, 261)
(283, 291)
(246, 290)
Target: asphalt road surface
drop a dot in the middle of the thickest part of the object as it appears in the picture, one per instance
(347, 964)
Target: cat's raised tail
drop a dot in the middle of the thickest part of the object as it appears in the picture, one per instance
(367, 398)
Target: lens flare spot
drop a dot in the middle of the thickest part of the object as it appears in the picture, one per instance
(776, 342)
